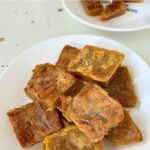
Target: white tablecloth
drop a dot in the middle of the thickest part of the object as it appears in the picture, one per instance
(24, 23)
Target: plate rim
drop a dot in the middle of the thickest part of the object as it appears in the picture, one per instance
(67, 36)
(98, 26)
(29, 50)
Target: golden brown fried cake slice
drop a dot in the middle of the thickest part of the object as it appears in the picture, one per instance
(115, 9)
(92, 7)
(126, 132)
(47, 84)
(122, 89)
(96, 64)
(94, 112)
(67, 54)
(70, 138)
(31, 124)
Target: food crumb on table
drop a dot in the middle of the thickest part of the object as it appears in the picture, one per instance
(26, 12)
(3, 66)
(15, 11)
(60, 9)
(32, 21)
(2, 39)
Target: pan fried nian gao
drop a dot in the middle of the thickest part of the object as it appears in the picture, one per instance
(96, 64)
(31, 124)
(115, 9)
(70, 138)
(92, 7)
(67, 54)
(47, 84)
(122, 89)
(94, 112)
(126, 132)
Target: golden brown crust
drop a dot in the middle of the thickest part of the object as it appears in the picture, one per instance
(64, 104)
(67, 54)
(92, 7)
(115, 9)
(94, 112)
(96, 64)
(122, 89)
(47, 84)
(70, 138)
(126, 132)
(31, 124)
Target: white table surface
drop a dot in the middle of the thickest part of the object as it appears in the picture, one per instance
(24, 23)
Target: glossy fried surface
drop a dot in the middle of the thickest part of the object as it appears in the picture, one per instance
(31, 124)
(67, 54)
(92, 7)
(122, 89)
(94, 112)
(126, 132)
(70, 138)
(96, 64)
(115, 9)
(47, 84)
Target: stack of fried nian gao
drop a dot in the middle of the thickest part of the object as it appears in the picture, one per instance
(78, 102)
(115, 9)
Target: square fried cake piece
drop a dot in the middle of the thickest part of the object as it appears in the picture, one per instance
(115, 9)
(94, 112)
(70, 138)
(31, 123)
(92, 7)
(126, 132)
(67, 54)
(47, 84)
(122, 89)
(96, 64)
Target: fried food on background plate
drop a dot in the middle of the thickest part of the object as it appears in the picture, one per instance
(126, 132)
(67, 54)
(133, 1)
(31, 123)
(122, 89)
(115, 9)
(92, 7)
(70, 138)
(96, 64)
(94, 112)
(47, 84)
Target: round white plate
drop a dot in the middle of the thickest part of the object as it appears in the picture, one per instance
(14, 79)
(137, 16)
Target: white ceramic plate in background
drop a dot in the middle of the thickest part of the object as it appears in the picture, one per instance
(137, 16)
(14, 79)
